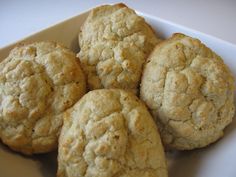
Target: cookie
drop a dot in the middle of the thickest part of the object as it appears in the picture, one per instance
(38, 83)
(189, 91)
(110, 132)
(114, 43)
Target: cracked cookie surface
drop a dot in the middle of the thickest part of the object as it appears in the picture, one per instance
(110, 133)
(38, 82)
(190, 92)
(114, 43)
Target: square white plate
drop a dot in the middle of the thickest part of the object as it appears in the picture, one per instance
(217, 160)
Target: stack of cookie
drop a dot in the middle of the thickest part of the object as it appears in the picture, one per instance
(186, 94)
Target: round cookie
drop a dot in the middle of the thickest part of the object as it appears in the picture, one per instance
(189, 91)
(114, 43)
(110, 132)
(38, 82)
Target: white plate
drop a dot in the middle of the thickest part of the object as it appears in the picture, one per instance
(217, 160)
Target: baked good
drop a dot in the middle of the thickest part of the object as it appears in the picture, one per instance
(189, 91)
(38, 82)
(114, 43)
(110, 132)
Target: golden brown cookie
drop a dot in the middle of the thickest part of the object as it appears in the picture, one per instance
(38, 83)
(114, 43)
(110, 132)
(189, 91)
